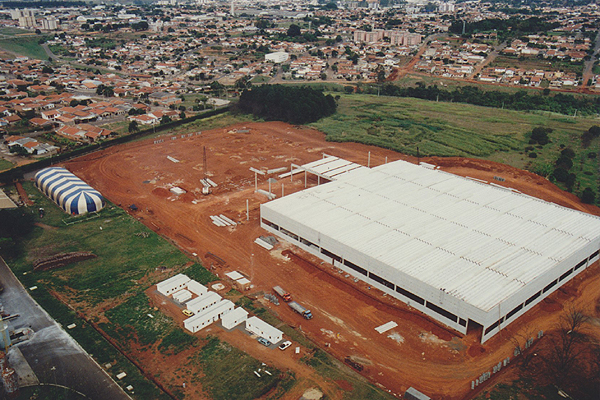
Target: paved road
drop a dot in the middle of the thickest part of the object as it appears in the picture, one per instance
(52, 354)
(588, 65)
(488, 60)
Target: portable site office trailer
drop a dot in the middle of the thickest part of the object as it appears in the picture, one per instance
(202, 303)
(234, 318)
(243, 284)
(210, 315)
(261, 328)
(173, 284)
(182, 296)
(197, 288)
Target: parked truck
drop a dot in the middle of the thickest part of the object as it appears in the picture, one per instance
(301, 310)
(282, 293)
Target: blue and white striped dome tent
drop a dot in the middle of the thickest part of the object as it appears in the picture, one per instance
(68, 191)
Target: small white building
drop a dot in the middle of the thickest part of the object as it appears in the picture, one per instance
(173, 284)
(234, 275)
(259, 327)
(197, 288)
(182, 296)
(177, 190)
(201, 303)
(210, 315)
(277, 57)
(243, 284)
(234, 318)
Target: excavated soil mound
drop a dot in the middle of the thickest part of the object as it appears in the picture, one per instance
(60, 260)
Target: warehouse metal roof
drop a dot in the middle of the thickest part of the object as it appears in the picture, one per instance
(328, 167)
(477, 242)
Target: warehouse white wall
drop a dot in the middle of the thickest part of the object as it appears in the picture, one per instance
(435, 296)
(539, 285)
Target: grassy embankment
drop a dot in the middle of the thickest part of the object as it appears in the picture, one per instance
(109, 292)
(25, 45)
(457, 129)
(5, 164)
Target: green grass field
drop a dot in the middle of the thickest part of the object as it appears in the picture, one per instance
(11, 31)
(24, 45)
(5, 164)
(536, 63)
(457, 129)
(229, 372)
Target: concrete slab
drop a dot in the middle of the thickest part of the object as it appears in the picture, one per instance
(26, 376)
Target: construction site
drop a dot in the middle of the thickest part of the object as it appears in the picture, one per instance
(204, 192)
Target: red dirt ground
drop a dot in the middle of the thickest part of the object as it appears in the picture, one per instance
(420, 353)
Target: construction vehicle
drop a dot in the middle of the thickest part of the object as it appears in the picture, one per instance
(305, 312)
(282, 293)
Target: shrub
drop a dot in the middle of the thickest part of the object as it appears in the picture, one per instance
(540, 135)
(588, 196)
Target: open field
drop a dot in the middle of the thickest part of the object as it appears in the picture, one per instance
(12, 31)
(5, 164)
(456, 129)
(536, 63)
(434, 359)
(24, 45)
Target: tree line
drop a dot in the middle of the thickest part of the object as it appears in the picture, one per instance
(297, 105)
(521, 100)
(514, 24)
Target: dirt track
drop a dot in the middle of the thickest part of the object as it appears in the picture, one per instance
(420, 352)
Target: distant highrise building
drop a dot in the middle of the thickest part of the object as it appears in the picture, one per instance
(397, 38)
(50, 24)
(27, 22)
(16, 14)
(25, 17)
(447, 7)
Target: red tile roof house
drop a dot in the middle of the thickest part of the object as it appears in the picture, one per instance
(41, 122)
(71, 132)
(11, 119)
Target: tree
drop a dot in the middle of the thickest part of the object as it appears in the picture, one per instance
(165, 119)
(540, 135)
(380, 74)
(133, 127)
(563, 358)
(588, 196)
(182, 114)
(293, 31)
(109, 92)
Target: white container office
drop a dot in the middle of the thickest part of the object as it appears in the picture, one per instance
(259, 327)
(182, 296)
(173, 284)
(200, 304)
(234, 318)
(210, 315)
(197, 288)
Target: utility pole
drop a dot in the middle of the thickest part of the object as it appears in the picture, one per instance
(205, 163)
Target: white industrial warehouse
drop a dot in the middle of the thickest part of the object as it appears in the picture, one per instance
(68, 191)
(467, 253)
